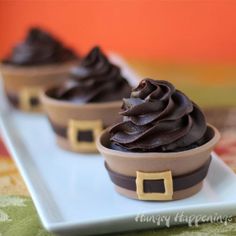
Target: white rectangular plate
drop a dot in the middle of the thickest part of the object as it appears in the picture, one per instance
(73, 193)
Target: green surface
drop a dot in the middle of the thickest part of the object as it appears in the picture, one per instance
(19, 218)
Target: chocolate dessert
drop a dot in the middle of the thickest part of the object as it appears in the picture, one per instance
(89, 101)
(161, 151)
(39, 60)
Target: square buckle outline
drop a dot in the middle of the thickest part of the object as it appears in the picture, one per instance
(24, 98)
(166, 176)
(74, 126)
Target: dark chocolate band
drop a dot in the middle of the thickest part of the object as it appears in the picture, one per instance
(157, 186)
(13, 99)
(59, 130)
(86, 136)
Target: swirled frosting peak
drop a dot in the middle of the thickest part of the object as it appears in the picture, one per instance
(95, 79)
(39, 48)
(158, 118)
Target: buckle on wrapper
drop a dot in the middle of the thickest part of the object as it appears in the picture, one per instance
(29, 99)
(166, 176)
(76, 127)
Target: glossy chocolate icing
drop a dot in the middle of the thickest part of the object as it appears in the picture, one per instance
(95, 79)
(39, 48)
(158, 118)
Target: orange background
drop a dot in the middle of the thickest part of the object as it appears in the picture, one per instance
(177, 30)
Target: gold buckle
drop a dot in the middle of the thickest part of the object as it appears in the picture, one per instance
(26, 94)
(168, 184)
(75, 126)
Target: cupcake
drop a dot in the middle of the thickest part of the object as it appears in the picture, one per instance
(89, 101)
(38, 61)
(161, 151)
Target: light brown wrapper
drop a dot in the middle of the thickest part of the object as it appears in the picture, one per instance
(61, 112)
(18, 78)
(179, 163)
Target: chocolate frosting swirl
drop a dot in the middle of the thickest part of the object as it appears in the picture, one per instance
(39, 48)
(158, 118)
(95, 79)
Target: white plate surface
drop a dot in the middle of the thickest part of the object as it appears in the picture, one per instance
(73, 193)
